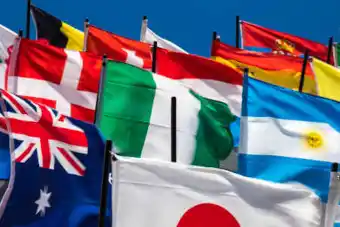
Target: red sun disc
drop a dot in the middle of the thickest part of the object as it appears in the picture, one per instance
(208, 215)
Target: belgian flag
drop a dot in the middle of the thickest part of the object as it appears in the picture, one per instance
(55, 31)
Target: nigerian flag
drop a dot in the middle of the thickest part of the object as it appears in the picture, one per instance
(134, 112)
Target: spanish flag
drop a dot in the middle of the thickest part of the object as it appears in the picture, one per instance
(280, 70)
(328, 79)
(256, 37)
(56, 32)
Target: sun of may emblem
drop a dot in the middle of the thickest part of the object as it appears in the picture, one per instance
(314, 140)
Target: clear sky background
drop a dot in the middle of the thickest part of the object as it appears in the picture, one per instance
(188, 23)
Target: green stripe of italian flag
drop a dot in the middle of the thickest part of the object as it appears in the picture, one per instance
(135, 108)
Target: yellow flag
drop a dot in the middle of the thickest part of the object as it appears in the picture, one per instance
(75, 37)
(327, 79)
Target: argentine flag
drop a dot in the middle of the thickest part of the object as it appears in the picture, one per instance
(288, 136)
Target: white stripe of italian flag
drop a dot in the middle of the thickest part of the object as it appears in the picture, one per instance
(135, 110)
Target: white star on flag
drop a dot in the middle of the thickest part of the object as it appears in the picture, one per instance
(43, 202)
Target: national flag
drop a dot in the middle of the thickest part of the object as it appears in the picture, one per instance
(55, 31)
(7, 39)
(206, 77)
(288, 136)
(258, 38)
(58, 166)
(328, 79)
(62, 79)
(276, 69)
(149, 36)
(152, 193)
(118, 48)
(336, 54)
(134, 112)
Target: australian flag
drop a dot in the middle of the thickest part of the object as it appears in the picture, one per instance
(57, 169)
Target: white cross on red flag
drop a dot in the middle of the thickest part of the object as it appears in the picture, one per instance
(118, 48)
(65, 80)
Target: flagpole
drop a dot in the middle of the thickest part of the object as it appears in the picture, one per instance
(143, 28)
(335, 54)
(214, 38)
(28, 19)
(173, 129)
(237, 44)
(20, 33)
(86, 28)
(154, 57)
(330, 46)
(333, 197)
(303, 71)
(100, 88)
(105, 181)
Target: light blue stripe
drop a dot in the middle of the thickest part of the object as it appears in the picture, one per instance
(314, 174)
(267, 50)
(235, 131)
(261, 99)
(259, 49)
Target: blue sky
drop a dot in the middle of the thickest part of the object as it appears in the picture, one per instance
(188, 23)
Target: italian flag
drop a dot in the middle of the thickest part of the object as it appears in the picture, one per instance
(135, 112)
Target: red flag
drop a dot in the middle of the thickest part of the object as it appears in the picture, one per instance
(62, 79)
(255, 36)
(118, 48)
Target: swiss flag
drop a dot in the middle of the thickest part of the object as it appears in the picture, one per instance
(65, 80)
(118, 48)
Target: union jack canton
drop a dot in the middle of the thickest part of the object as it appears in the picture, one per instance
(45, 132)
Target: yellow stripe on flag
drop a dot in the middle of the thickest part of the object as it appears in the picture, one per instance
(284, 78)
(75, 37)
(327, 79)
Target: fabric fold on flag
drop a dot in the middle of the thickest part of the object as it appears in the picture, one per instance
(101, 42)
(62, 79)
(276, 69)
(135, 109)
(258, 38)
(56, 32)
(58, 166)
(7, 40)
(147, 195)
(327, 79)
(149, 36)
